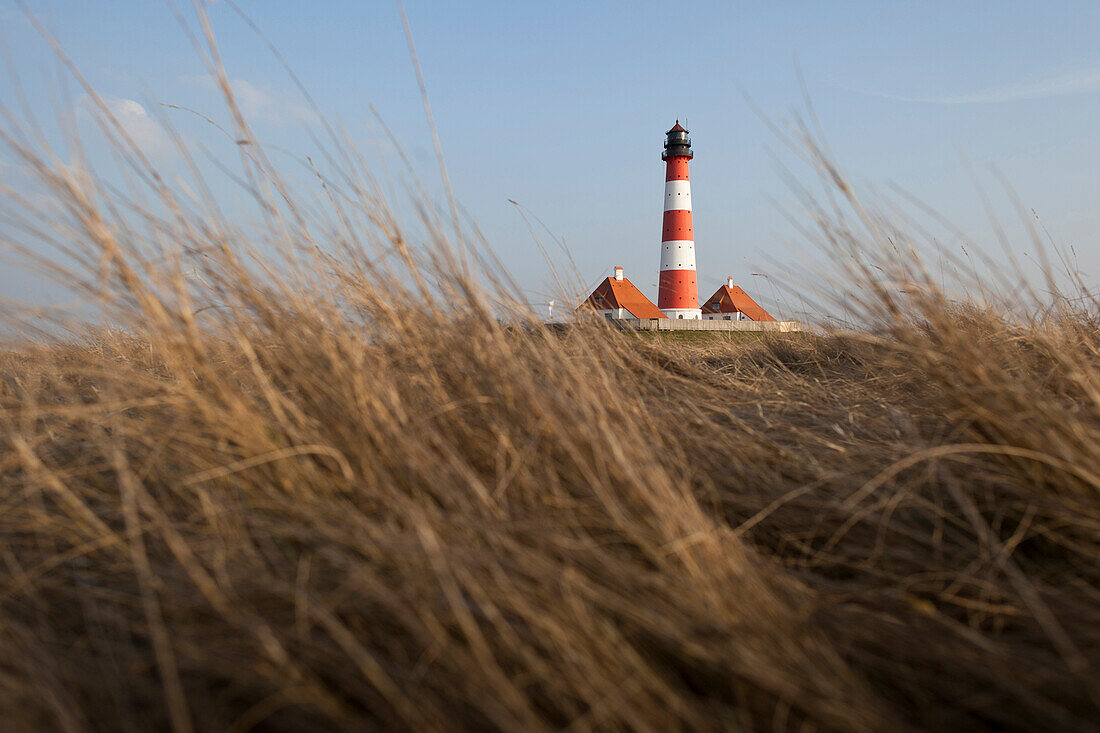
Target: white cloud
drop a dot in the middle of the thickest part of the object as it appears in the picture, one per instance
(259, 104)
(132, 117)
(1078, 82)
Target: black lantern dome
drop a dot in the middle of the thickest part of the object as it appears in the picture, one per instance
(677, 143)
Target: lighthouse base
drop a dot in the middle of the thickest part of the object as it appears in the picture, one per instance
(686, 314)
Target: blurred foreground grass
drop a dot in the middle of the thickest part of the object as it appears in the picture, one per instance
(275, 496)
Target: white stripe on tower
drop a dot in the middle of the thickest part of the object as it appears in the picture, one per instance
(678, 255)
(677, 195)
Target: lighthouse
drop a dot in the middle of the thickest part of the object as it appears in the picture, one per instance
(677, 292)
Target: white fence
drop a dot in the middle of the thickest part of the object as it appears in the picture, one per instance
(676, 324)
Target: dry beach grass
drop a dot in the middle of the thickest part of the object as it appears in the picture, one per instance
(274, 499)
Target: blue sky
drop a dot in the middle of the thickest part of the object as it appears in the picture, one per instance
(562, 107)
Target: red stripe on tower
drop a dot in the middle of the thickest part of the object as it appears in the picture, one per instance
(677, 293)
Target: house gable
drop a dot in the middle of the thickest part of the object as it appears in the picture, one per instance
(735, 300)
(612, 294)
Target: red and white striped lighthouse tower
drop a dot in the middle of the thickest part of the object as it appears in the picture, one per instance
(677, 293)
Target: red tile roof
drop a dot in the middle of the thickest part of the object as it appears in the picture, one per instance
(612, 293)
(735, 300)
(678, 128)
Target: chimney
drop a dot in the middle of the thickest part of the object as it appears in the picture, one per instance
(729, 281)
(618, 273)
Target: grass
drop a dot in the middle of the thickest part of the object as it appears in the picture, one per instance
(706, 337)
(272, 497)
